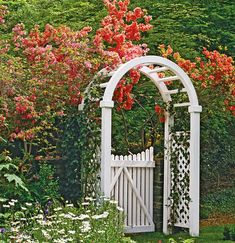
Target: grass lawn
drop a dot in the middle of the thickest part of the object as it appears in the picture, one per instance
(209, 234)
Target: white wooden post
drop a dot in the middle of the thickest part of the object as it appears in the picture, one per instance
(194, 190)
(169, 120)
(106, 131)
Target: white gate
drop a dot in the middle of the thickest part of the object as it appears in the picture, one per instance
(132, 187)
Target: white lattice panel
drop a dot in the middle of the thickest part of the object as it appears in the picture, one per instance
(180, 148)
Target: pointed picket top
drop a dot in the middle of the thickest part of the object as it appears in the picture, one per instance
(143, 156)
(151, 153)
(147, 155)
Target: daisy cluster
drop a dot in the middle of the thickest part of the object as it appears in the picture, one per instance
(90, 221)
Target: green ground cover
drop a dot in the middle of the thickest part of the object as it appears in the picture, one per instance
(207, 234)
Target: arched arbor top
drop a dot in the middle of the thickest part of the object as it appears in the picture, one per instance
(161, 65)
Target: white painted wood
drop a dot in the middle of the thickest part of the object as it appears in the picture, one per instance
(121, 190)
(182, 104)
(161, 86)
(151, 185)
(112, 191)
(158, 69)
(156, 60)
(125, 196)
(130, 206)
(134, 196)
(115, 178)
(144, 209)
(142, 191)
(151, 192)
(116, 196)
(139, 229)
(175, 91)
(194, 185)
(147, 182)
(103, 85)
(118, 163)
(167, 79)
(151, 154)
(138, 209)
(143, 174)
(167, 174)
(106, 150)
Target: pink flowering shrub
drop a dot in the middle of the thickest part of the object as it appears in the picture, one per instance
(51, 68)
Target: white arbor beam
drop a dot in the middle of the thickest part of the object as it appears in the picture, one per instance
(158, 69)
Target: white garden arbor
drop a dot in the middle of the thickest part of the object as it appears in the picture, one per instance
(109, 175)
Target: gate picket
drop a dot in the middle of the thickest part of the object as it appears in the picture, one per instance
(129, 213)
(134, 196)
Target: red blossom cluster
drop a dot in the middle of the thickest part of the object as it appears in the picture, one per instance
(2, 120)
(122, 93)
(119, 29)
(213, 71)
(25, 117)
(160, 112)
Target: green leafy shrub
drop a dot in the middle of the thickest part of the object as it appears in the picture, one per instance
(11, 184)
(44, 187)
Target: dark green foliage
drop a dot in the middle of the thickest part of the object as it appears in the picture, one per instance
(190, 25)
(69, 168)
(75, 14)
(217, 143)
(187, 25)
(219, 202)
(229, 233)
(79, 147)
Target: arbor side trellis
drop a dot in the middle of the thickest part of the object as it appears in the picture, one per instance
(194, 109)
